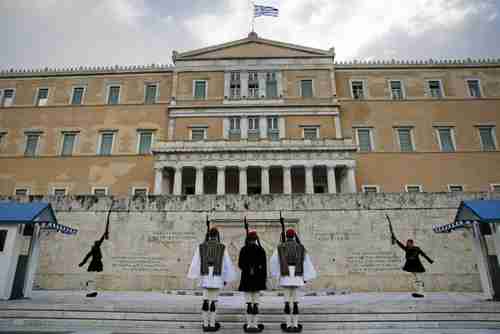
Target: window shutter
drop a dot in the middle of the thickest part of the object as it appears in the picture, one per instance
(364, 140)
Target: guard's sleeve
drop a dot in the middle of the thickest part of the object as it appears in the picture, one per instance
(425, 256)
(195, 269)
(275, 265)
(228, 271)
(309, 271)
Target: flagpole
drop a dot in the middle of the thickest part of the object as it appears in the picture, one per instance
(252, 9)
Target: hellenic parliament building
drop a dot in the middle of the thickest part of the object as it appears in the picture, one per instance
(250, 128)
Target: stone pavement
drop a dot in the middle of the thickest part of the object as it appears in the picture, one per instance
(150, 312)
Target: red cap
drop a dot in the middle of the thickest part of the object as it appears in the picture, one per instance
(252, 233)
(290, 233)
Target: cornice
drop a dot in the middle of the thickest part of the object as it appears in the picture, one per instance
(395, 63)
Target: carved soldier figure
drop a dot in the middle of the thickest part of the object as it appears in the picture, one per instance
(94, 266)
(413, 264)
(252, 262)
(212, 266)
(291, 264)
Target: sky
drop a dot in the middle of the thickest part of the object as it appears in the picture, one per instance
(57, 33)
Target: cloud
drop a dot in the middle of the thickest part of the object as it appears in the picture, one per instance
(66, 32)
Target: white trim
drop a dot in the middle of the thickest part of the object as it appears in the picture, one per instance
(372, 138)
(364, 186)
(466, 82)
(206, 89)
(452, 134)
(99, 142)
(312, 88)
(403, 90)
(37, 102)
(420, 187)
(2, 97)
(141, 188)
(139, 133)
(53, 192)
(412, 137)
(61, 145)
(493, 185)
(493, 134)
(157, 93)
(237, 112)
(427, 89)
(108, 89)
(455, 185)
(28, 190)
(93, 190)
(316, 127)
(365, 88)
(204, 128)
(73, 92)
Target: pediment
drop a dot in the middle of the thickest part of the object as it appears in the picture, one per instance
(253, 47)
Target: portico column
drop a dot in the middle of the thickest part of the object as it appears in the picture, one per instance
(496, 228)
(178, 181)
(158, 181)
(481, 251)
(332, 184)
(287, 180)
(263, 127)
(243, 180)
(351, 180)
(199, 181)
(309, 180)
(264, 176)
(221, 180)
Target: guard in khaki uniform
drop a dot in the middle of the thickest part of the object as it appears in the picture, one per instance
(212, 265)
(291, 265)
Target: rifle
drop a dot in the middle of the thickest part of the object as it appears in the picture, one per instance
(282, 222)
(390, 229)
(245, 224)
(106, 231)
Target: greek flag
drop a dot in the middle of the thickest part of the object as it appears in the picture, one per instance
(265, 11)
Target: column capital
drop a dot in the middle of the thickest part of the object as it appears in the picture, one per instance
(199, 167)
(221, 168)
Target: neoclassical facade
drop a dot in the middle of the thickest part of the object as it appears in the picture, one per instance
(251, 116)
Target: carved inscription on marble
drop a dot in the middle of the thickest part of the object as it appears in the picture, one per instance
(161, 236)
(374, 261)
(138, 264)
(337, 236)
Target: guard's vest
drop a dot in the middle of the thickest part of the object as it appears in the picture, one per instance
(291, 253)
(211, 254)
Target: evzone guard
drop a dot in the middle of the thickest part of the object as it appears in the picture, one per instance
(212, 265)
(291, 265)
(253, 266)
(413, 264)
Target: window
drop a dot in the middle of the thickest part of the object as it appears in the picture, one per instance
(273, 131)
(234, 128)
(435, 89)
(358, 89)
(77, 96)
(413, 188)
(42, 97)
(487, 136)
(370, 188)
(21, 192)
(198, 134)
(68, 143)
(253, 85)
(3, 238)
(474, 88)
(495, 187)
(455, 188)
(99, 191)
(32, 140)
(253, 128)
(145, 142)
(200, 89)
(7, 97)
(106, 143)
(59, 192)
(306, 88)
(151, 92)
(235, 85)
(2, 136)
(113, 94)
(405, 139)
(396, 89)
(365, 142)
(140, 191)
(446, 140)
(311, 132)
(271, 85)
